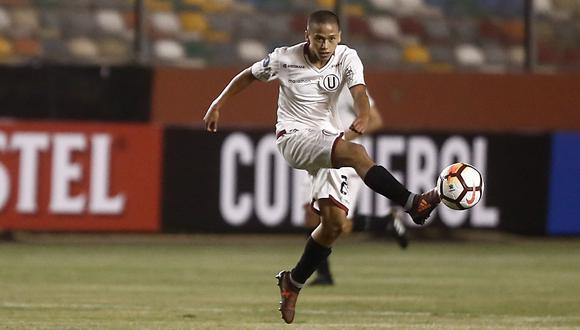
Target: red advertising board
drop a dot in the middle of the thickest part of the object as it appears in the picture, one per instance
(70, 176)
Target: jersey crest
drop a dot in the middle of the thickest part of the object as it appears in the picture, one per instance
(330, 82)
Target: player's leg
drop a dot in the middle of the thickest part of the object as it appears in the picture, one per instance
(323, 274)
(379, 179)
(317, 249)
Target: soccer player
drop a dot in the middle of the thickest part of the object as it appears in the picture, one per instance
(311, 74)
(346, 113)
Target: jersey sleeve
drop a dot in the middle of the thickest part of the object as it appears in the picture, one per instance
(267, 69)
(353, 69)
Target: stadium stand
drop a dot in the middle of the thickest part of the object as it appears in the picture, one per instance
(482, 35)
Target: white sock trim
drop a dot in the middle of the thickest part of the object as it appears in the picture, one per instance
(296, 284)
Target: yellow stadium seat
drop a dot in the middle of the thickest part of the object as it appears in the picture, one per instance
(354, 10)
(6, 48)
(193, 22)
(416, 54)
(328, 4)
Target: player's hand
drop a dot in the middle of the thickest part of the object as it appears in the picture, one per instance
(360, 124)
(211, 118)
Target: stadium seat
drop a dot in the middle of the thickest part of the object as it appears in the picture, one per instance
(416, 54)
(165, 23)
(410, 8)
(6, 48)
(193, 22)
(27, 47)
(168, 50)
(326, 4)
(412, 26)
(112, 49)
(495, 55)
(516, 56)
(110, 21)
(5, 21)
(469, 55)
(83, 48)
(353, 9)
(512, 31)
(489, 29)
(384, 28)
(250, 51)
(25, 21)
(543, 7)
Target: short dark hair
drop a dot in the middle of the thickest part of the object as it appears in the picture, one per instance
(323, 16)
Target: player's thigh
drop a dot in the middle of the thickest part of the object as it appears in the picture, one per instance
(349, 154)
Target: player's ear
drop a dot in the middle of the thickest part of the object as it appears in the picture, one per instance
(306, 35)
(339, 37)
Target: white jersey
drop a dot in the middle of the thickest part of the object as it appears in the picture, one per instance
(308, 95)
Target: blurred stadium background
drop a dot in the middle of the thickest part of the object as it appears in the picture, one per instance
(433, 35)
(118, 211)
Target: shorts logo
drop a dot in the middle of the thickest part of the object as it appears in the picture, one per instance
(331, 82)
(344, 185)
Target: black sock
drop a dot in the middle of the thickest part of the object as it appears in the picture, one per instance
(313, 255)
(324, 269)
(383, 182)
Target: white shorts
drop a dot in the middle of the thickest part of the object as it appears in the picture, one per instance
(342, 186)
(311, 150)
(308, 149)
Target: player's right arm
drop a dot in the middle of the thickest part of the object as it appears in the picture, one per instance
(264, 70)
(236, 85)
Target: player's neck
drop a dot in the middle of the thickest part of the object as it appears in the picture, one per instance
(315, 60)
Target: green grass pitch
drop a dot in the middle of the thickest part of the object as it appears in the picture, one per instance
(227, 282)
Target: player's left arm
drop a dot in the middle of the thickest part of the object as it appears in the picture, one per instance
(375, 119)
(362, 108)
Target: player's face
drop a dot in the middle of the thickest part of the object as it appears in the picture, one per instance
(322, 39)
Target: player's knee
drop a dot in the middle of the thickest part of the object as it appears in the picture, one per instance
(350, 154)
(334, 228)
(358, 151)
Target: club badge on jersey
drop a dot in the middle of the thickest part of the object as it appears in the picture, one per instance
(329, 83)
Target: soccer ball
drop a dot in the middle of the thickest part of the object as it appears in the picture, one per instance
(460, 186)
